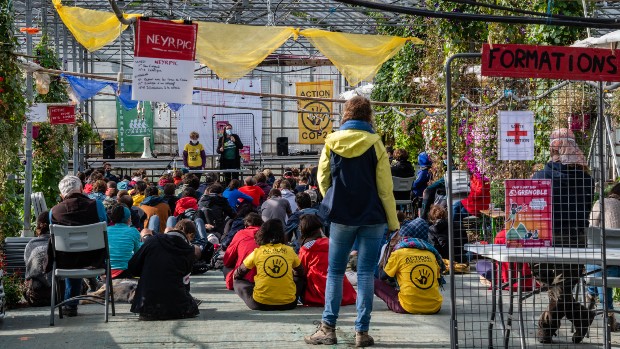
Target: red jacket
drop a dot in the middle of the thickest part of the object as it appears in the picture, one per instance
(479, 196)
(241, 246)
(257, 194)
(313, 256)
(184, 203)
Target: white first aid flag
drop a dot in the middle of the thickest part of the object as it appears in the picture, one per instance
(516, 135)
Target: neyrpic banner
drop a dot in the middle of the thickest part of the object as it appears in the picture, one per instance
(132, 130)
(529, 213)
(314, 123)
(550, 62)
(516, 135)
(61, 114)
(164, 54)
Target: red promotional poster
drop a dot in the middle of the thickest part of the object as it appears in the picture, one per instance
(245, 154)
(550, 62)
(61, 114)
(528, 213)
(165, 39)
(221, 128)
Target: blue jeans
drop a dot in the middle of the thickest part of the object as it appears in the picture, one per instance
(612, 271)
(341, 241)
(73, 288)
(154, 224)
(201, 231)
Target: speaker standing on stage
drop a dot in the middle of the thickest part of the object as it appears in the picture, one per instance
(194, 156)
(228, 147)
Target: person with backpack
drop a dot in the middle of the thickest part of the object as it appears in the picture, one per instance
(243, 243)
(293, 227)
(215, 209)
(186, 202)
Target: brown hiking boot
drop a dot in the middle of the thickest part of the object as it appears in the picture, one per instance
(362, 339)
(325, 334)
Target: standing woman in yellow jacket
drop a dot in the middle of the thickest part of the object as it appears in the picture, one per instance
(355, 179)
(194, 156)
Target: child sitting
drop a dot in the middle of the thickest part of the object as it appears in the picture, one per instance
(417, 267)
(314, 256)
(123, 241)
(276, 265)
(438, 231)
(243, 243)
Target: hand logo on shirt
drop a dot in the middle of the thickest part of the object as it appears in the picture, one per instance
(275, 266)
(422, 276)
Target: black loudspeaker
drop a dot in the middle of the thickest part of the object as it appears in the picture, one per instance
(109, 148)
(282, 146)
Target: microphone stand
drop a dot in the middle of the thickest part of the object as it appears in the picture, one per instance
(260, 153)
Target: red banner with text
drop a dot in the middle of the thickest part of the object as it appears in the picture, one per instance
(549, 62)
(61, 114)
(165, 39)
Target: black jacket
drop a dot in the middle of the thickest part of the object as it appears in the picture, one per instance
(236, 162)
(163, 264)
(403, 169)
(573, 193)
(438, 236)
(215, 209)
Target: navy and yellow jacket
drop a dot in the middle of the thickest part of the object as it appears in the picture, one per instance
(355, 170)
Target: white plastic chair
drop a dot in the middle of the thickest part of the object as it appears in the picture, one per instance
(403, 184)
(83, 238)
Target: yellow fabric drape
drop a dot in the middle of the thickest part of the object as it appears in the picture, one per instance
(358, 57)
(232, 51)
(92, 29)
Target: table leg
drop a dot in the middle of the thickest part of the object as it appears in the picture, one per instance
(494, 281)
(520, 308)
(500, 300)
(510, 307)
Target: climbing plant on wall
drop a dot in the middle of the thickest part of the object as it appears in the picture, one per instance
(12, 116)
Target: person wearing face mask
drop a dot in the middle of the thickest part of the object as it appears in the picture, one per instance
(228, 147)
(194, 156)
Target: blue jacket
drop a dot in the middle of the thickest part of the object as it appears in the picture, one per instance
(355, 179)
(233, 197)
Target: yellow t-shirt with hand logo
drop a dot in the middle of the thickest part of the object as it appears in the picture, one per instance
(193, 154)
(418, 274)
(274, 264)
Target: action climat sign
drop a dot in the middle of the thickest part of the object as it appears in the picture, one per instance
(163, 67)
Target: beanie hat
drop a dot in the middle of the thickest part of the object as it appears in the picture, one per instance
(126, 214)
(424, 160)
(417, 229)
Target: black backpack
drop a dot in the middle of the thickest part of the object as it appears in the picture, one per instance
(189, 213)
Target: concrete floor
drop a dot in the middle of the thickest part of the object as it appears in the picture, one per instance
(225, 322)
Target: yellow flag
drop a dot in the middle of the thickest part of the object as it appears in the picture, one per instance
(358, 57)
(313, 117)
(232, 51)
(93, 29)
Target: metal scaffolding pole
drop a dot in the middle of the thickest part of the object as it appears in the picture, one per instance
(28, 150)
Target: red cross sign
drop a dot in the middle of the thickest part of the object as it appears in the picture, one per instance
(517, 133)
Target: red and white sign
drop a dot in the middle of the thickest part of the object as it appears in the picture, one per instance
(550, 62)
(164, 56)
(61, 114)
(528, 213)
(516, 135)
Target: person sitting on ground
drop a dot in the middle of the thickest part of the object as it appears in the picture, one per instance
(418, 269)
(137, 176)
(287, 194)
(242, 244)
(169, 196)
(478, 199)
(186, 202)
(438, 231)
(107, 172)
(177, 177)
(138, 216)
(434, 194)
(279, 274)
(250, 188)
(137, 193)
(157, 211)
(233, 226)
(75, 209)
(215, 209)
(110, 194)
(276, 207)
(292, 229)
(98, 191)
(164, 179)
(38, 284)
(123, 241)
(164, 264)
(92, 179)
(234, 196)
(269, 175)
(261, 182)
(302, 185)
(313, 255)
(189, 180)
